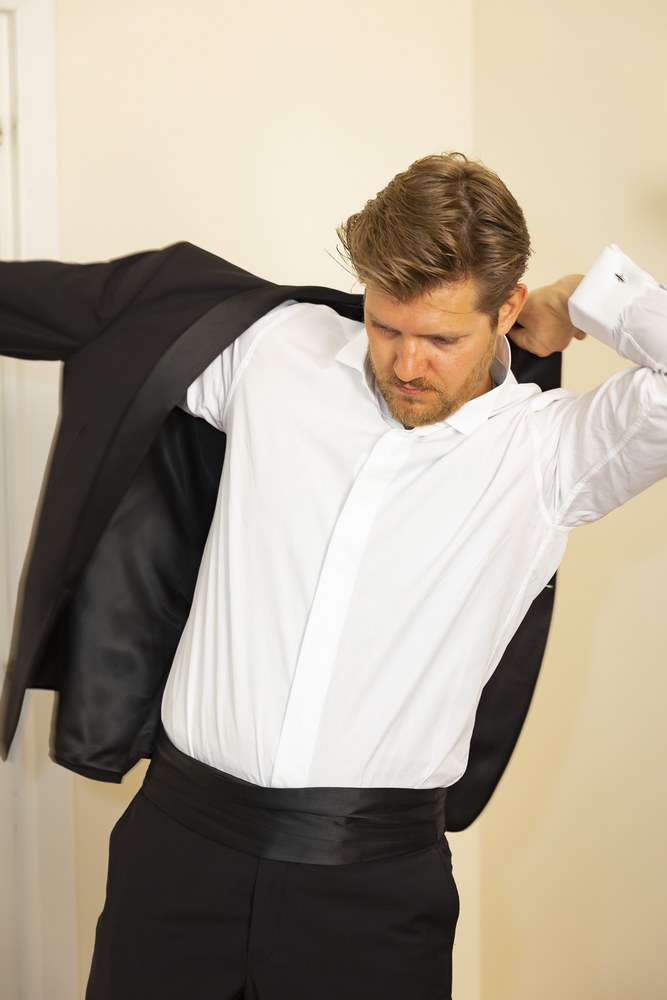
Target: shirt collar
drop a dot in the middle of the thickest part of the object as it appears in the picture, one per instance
(468, 418)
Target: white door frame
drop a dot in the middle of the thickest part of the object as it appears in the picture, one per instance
(38, 876)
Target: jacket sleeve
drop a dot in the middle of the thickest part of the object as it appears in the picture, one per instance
(49, 309)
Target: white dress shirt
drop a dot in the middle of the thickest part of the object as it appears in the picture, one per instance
(361, 581)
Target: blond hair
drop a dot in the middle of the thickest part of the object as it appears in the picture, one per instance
(445, 219)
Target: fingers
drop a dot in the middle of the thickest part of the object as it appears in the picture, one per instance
(545, 339)
(525, 340)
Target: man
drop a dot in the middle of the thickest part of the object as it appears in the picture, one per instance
(391, 504)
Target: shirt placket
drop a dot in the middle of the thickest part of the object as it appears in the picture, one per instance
(317, 656)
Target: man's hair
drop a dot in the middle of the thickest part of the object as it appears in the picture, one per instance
(445, 219)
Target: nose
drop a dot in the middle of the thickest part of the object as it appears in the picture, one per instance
(410, 362)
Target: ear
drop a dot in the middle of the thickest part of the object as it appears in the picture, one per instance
(510, 309)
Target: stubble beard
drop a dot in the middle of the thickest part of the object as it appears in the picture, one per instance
(419, 412)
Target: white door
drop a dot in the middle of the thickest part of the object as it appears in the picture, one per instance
(38, 951)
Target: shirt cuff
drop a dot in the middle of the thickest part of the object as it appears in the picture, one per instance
(609, 288)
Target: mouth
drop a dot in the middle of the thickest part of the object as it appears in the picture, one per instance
(410, 390)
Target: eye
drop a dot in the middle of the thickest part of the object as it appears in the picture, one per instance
(381, 329)
(445, 341)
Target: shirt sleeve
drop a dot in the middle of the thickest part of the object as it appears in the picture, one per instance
(624, 307)
(603, 447)
(209, 395)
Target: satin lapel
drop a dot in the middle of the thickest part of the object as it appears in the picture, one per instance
(163, 387)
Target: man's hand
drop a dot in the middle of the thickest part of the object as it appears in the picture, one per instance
(543, 326)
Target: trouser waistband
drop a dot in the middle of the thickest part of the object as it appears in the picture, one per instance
(324, 826)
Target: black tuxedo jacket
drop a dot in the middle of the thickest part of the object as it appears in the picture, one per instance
(129, 495)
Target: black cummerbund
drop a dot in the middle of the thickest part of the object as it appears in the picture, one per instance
(323, 826)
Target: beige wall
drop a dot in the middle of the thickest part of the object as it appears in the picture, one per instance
(569, 103)
(252, 130)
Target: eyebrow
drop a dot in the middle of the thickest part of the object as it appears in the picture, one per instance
(438, 336)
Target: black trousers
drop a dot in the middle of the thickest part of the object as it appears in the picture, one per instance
(187, 917)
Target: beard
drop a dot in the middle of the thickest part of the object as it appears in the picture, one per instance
(439, 404)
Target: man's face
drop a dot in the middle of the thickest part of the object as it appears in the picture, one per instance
(432, 354)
